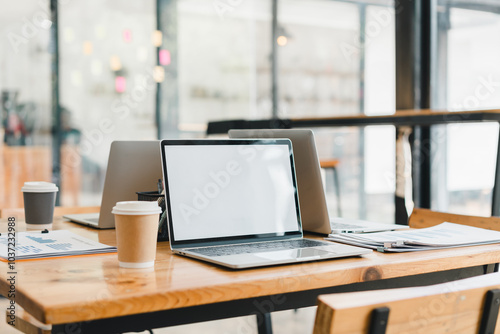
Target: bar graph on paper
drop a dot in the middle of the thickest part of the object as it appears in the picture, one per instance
(30, 245)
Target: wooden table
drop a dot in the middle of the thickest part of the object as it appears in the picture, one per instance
(91, 294)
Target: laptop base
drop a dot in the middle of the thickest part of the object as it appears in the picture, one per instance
(271, 258)
(87, 219)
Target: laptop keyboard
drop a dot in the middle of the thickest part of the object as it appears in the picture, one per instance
(257, 247)
(344, 226)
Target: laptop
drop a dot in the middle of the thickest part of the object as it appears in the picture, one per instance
(235, 203)
(313, 205)
(132, 166)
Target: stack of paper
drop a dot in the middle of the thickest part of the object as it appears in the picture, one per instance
(445, 235)
(36, 245)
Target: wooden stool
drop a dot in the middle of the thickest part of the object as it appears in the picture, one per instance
(332, 164)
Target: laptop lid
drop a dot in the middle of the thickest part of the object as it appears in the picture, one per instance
(230, 191)
(132, 166)
(313, 206)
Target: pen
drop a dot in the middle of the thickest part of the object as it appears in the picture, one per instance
(160, 186)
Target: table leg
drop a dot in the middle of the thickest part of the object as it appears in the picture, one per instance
(264, 325)
(490, 268)
(495, 205)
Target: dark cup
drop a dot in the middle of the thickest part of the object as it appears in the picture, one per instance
(39, 202)
(155, 196)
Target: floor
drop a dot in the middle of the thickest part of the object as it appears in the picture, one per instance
(285, 322)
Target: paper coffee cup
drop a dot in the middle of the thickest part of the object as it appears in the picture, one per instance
(39, 202)
(136, 224)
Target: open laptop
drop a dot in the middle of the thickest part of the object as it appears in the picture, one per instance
(132, 166)
(313, 205)
(235, 203)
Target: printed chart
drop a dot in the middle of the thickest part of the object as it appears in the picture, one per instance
(30, 245)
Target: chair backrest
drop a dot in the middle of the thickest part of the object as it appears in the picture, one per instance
(464, 306)
(425, 218)
(58, 211)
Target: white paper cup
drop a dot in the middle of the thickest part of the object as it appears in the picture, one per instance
(39, 201)
(136, 225)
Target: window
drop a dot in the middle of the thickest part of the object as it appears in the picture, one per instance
(25, 85)
(142, 70)
(467, 77)
(224, 51)
(337, 58)
(107, 63)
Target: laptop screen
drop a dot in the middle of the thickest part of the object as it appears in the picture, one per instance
(230, 189)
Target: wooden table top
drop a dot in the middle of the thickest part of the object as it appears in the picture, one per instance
(74, 289)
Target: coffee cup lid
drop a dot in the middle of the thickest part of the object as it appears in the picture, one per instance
(39, 187)
(136, 208)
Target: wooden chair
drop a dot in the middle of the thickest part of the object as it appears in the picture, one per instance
(333, 164)
(421, 218)
(19, 164)
(426, 218)
(465, 306)
(58, 211)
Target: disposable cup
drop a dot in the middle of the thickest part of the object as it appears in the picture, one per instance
(39, 201)
(136, 224)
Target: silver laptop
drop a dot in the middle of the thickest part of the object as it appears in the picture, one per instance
(132, 166)
(313, 205)
(235, 203)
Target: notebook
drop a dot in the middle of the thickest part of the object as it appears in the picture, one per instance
(132, 166)
(313, 205)
(235, 203)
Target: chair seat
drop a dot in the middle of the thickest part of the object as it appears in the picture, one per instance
(333, 163)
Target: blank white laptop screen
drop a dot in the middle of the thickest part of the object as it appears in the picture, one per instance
(218, 191)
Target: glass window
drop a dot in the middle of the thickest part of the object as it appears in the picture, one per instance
(25, 88)
(318, 57)
(337, 58)
(379, 99)
(467, 77)
(224, 51)
(107, 62)
(212, 60)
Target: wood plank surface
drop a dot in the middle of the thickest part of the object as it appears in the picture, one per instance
(454, 307)
(74, 289)
(25, 323)
(58, 211)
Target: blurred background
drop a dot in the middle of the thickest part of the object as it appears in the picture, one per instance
(76, 75)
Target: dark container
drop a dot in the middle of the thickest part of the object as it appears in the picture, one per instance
(39, 207)
(154, 196)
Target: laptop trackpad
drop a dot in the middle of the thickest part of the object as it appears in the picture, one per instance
(298, 254)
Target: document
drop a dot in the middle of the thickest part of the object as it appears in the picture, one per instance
(37, 245)
(445, 235)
